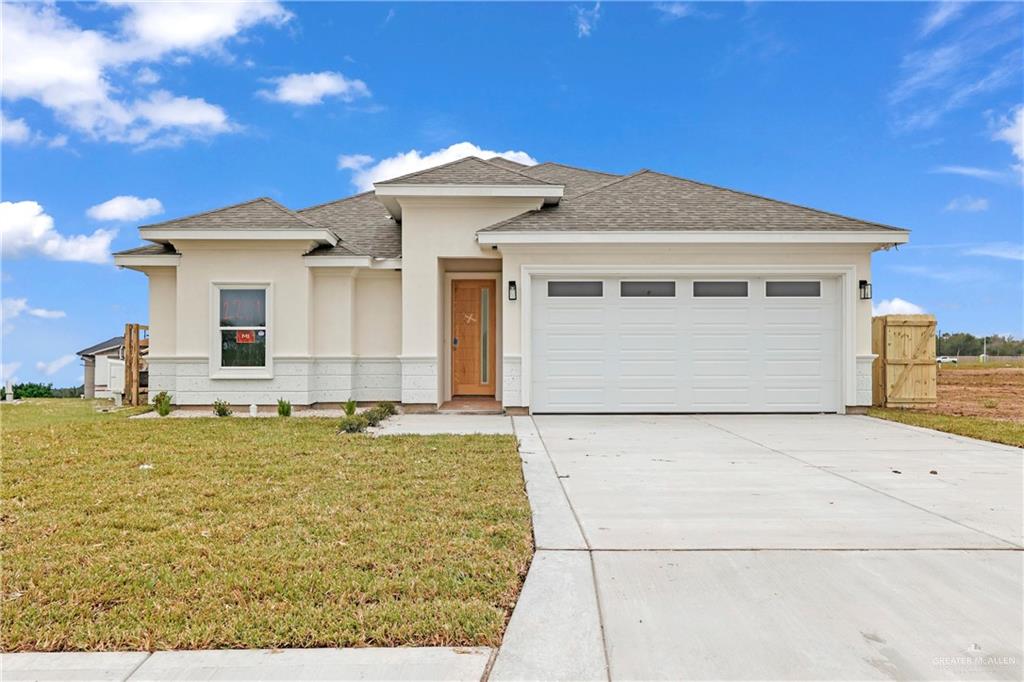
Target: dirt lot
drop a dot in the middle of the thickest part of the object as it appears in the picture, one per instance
(995, 393)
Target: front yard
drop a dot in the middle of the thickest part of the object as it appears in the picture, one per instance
(246, 533)
(980, 401)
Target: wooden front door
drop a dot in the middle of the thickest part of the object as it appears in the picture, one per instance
(473, 345)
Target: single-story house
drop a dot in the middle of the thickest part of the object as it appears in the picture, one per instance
(96, 359)
(548, 288)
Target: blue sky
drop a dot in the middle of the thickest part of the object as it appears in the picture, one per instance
(118, 115)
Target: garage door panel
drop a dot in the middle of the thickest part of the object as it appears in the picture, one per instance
(685, 353)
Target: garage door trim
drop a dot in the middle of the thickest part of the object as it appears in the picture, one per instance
(846, 275)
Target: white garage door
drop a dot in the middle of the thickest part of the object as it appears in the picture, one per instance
(742, 344)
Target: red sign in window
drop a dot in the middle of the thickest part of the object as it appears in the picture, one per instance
(246, 336)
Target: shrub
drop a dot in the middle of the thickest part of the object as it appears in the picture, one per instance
(162, 403)
(353, 423)
(29, 390)
(221, 408)
(387, 408)
(284, 408)
(375, 416)
(349, 407)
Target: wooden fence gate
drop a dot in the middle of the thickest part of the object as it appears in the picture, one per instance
(904, 373)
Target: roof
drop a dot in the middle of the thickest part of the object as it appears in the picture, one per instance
(109, 344)
(148, 250)
(363, 225)
(470, 170)
(650, 201)
(258, 214)
(575, 180)
(507, 163)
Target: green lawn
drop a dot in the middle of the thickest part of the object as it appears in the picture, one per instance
(995, 430)
(209, 533)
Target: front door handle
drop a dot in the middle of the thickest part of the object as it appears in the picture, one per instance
(455, 342)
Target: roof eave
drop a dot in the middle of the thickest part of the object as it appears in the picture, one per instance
(163, 235)
(389, 194)
(150, 260)
(882, 238)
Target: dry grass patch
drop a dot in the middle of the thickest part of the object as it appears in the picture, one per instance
(207, 533)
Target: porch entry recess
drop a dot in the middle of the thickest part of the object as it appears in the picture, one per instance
(473, 336)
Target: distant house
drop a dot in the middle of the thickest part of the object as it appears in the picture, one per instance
(97, 366)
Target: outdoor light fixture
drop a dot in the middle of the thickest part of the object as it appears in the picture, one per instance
(512, 294)
(865, 290)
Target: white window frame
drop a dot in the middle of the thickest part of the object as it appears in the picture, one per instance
(603, 283)
(702, 280)
(217, 371)
(821, 286)
(654, 280)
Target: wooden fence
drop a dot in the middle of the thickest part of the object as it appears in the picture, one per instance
(904, 373)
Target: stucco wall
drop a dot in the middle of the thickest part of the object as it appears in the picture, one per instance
(162, 310)
(435, 229)
(279, 263)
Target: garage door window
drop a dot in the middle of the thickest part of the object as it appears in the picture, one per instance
(643, 289)
(575, 289)
(792, 289)
(720, 289)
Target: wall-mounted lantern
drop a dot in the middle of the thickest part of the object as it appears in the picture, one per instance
(512, 293)
(865, 290)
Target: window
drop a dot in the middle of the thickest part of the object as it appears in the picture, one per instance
(734, 289)
(812, 289)
(641, 289)
(242, 326)
(567, 289)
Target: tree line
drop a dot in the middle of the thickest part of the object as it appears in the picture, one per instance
(35, 390)
(962, 343)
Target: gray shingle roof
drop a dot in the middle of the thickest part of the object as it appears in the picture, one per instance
(646, 201)
(468, 171)
(258, 214)
(148, 250)
(507, 163)
(576, 180)
(112, 342)
(363, 225)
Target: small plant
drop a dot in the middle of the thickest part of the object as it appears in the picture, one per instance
(162, 403)
(353, 423)
(284, 408)
(349, 407)
(990, 403)
(221, 408)
(387, 408)
(375, 415)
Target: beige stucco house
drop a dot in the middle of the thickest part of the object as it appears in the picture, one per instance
(546, 287)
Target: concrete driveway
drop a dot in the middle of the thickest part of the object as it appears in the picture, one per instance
(767, 547)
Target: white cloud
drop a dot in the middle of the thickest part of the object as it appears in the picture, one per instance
(982, 56)
(1011, 131)
(71, 70)
(586, 19)
(305, 89)
(54, 366)
(968, 204)
(971, 172)
(365, 174)
(147, 76)
(27, 230)
(896, 306)
(354, 161)
(670, 11)
(1005, 250)
(14, 130)
(125, 207)
(8, 369)
(12, 308)
(941, 14)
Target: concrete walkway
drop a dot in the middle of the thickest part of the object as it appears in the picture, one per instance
(766, 547)
(432, 663)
